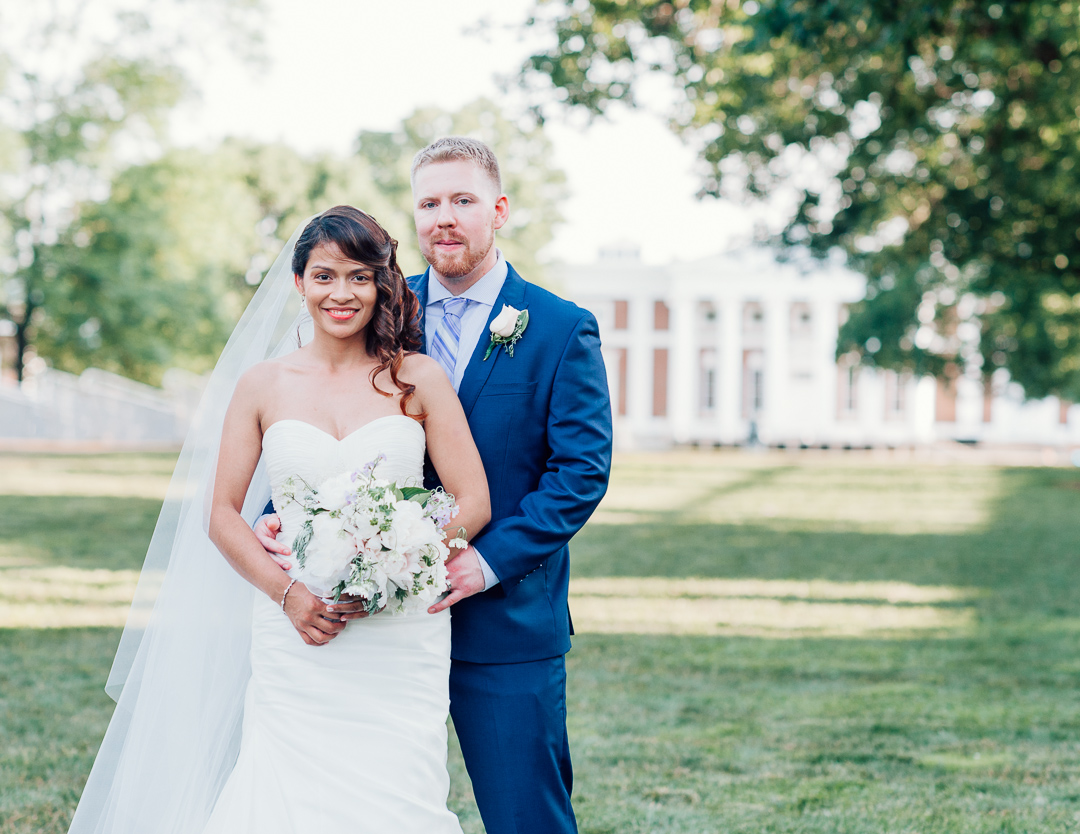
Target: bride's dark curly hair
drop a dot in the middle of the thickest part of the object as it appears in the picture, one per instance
(394, 329)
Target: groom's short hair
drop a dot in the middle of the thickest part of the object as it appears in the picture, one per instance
(453, 148)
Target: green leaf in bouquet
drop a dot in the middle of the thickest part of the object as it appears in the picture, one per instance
(417, 494)
(300, 543)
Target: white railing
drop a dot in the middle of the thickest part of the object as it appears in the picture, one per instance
(99, 406)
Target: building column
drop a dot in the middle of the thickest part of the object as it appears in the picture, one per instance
(776, 421)
(685, 373)
(826, 324)
(872, 390)
(729, 369)
(641, 341)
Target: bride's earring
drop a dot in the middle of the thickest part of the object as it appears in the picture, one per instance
(303, 314)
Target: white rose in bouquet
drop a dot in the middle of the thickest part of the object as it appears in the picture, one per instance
(366, 510)
(412, 530)
(367, 586)
(328, 556)
(430, 592)
(371, 584)
(397, 569)
(405, 514)
(374, 545)
(336, 493)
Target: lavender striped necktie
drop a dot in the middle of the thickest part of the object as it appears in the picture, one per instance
(444, 346)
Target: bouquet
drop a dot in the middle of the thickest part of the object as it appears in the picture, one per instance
(371, 538)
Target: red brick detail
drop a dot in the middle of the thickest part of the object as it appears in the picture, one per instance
(660, 380)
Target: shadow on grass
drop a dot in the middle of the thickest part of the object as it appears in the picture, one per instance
(751, 479)
(976, 733)
(76, 531)
(1025, 556)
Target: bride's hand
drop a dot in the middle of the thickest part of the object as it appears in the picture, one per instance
(349, 608)
(310, 617)
(266, 530)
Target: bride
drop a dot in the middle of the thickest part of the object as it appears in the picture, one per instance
(253, 706)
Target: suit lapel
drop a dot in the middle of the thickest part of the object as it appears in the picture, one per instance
(477, 371)
(420, 287)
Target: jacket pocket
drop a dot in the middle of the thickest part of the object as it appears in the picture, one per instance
(503, 389)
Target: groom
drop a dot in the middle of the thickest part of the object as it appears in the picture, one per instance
(540, 414)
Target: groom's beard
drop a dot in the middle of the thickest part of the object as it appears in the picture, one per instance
(462, 262)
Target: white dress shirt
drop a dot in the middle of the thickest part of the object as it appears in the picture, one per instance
(482, 296)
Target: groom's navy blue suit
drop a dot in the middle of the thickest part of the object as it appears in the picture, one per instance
(541, 420)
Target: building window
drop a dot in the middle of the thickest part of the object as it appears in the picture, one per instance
(895, 394)
(622, 314)
(801, 321)
(753, 317)
(661, 314)
(706, 323)
(660, 375)
(707, 398)
(847, 386)
(757, 391)
(753, 383)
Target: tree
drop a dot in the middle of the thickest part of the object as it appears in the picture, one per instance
(82, 87)
(534, 187)
(936, 143)
(158, 274)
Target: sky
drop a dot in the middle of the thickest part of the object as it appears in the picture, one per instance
(336, 67)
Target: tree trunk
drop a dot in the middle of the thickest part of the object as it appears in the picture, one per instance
(22, 342)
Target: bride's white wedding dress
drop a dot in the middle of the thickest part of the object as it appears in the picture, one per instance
(350, 736)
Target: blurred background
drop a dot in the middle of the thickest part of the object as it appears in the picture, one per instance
(817, 227)
(156, 155)
(833, 250)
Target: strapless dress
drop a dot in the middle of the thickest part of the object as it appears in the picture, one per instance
(350, 736)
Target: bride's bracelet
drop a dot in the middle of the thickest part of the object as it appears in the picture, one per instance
(285, 593)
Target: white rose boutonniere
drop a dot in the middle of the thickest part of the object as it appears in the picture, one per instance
(506, 328)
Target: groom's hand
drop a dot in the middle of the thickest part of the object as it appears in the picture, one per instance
(466, 579)
(266, 530)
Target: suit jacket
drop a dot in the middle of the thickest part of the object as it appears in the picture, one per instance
(541, 420)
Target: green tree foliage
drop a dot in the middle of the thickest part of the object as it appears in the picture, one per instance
(535, 188)
(936, 143)
(158, 274)
(138, 267)
(82, 87)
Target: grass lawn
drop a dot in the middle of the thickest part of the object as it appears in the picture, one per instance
(873, 646)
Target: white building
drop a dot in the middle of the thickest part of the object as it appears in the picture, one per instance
(738, 346)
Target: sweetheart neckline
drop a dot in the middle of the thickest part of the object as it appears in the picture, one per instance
(346, 437)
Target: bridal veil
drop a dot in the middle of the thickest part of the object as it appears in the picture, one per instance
(182, 666)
